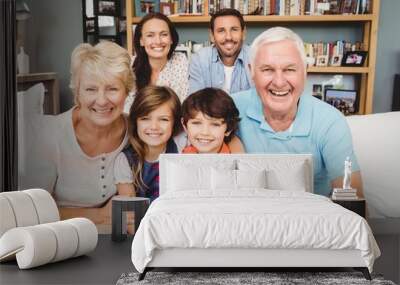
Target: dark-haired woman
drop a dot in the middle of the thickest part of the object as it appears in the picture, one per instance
(156, 62)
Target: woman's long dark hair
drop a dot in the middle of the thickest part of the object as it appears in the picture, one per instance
(141, 65)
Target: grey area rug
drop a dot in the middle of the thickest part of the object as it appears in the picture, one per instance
(269, 278)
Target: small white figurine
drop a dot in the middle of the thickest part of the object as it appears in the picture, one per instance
(347, 174)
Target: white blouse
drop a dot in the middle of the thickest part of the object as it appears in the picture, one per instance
(61, 167)
(175, 75)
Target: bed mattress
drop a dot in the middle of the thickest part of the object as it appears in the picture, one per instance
(250, 219)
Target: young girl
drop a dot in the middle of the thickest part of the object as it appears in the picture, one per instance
(154, 119)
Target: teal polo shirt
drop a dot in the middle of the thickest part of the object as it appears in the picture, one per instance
(318, 129)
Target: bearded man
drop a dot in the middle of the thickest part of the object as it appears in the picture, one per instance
(225, 64)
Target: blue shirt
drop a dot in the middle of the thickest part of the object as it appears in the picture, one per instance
(207, 70)
(318, 129)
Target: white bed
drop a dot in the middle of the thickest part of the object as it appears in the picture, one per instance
(220, 211)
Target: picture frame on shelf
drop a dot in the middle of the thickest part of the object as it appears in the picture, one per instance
(327, 86)
(107, 8)
(343, 100)
(106, 22)
(122, 25)
(143, 7)
(354, 58)
(89, 23)
(334, 7)
(310, 61)
(317, 91)
(166, 8)
(336, 60)
(322, 60)
(348, 7)
(322, 8)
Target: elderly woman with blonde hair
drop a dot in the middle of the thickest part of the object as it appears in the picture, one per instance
(79, 147)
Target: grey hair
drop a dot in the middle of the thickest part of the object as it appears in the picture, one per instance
(102, 60)
(277, 34)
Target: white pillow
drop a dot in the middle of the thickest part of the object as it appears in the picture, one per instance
(30, 104)
(183, 177)
(251, 178)
(237, 179)
(293, 179)
(282, 173)
(223, 179)
(186, 173)
(31, 100)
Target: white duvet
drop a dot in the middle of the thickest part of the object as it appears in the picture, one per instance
(253, 218)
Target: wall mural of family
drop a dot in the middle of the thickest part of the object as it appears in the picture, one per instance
(231, 98)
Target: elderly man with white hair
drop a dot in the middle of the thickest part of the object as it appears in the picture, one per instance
(276, 117)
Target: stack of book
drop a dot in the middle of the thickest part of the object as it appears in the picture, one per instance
(331, 52)
(344, 194)
(254, 7)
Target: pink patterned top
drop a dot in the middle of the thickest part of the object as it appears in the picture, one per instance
(175, 75)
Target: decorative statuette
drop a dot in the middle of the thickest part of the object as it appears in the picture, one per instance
(347, 174)
(346, 192)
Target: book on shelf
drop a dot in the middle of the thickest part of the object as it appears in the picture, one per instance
(256, 7)
(185, 15)
(341, 190)
(347, 198)
(332, 50)
(298, 7)
(270, 7)
(344, 194)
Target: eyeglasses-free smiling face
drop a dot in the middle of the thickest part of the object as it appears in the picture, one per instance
(100, 101)
(228, 37)
(156, 39)
(205, 133)
(155, 129)
(279, 76)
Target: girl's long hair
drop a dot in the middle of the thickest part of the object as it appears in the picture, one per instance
(147, 100)
(141, 65)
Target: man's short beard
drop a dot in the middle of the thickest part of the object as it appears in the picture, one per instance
(234, 55)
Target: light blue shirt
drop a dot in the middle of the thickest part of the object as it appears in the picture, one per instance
(207, 70)
(318, 129)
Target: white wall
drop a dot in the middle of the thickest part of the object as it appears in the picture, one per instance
(52, 32)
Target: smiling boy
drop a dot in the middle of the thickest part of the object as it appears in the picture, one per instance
(210, 119)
